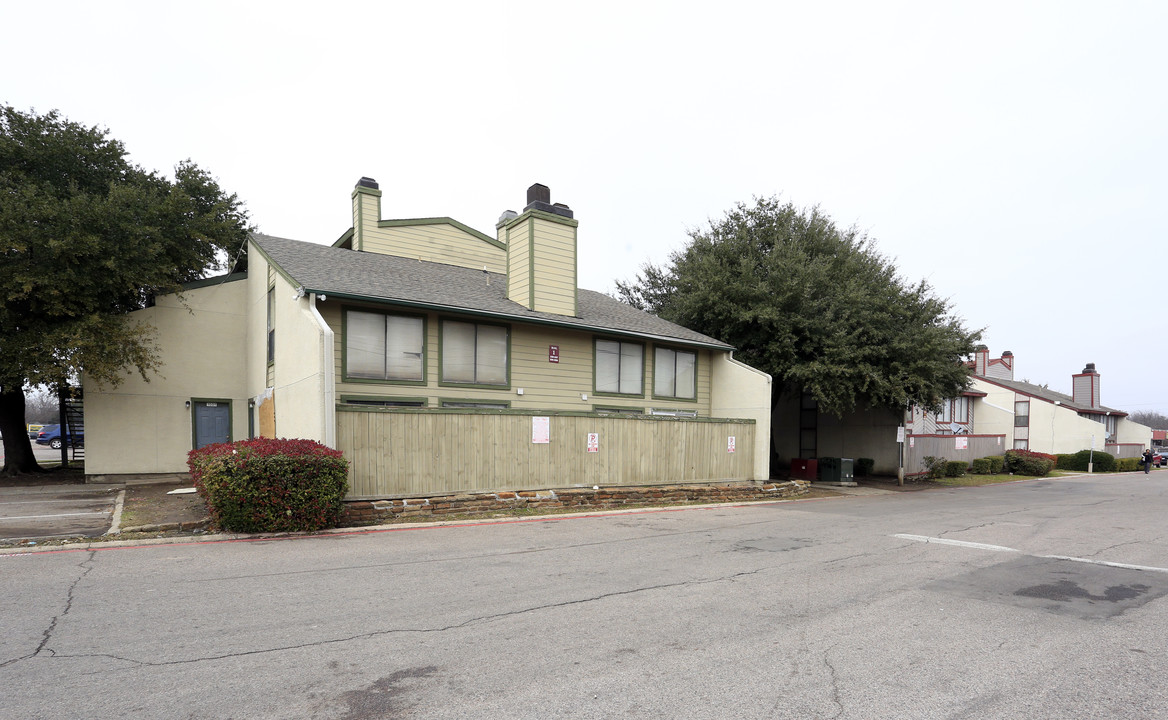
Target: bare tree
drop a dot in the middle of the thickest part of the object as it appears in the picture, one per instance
(41, 406)
(1151, 418)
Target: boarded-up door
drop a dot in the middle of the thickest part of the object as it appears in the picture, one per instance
(212, 422)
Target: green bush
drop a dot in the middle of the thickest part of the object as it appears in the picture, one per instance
(981, 466)
(1024, 462)
(1128, 464)
(269, 485)
(1077, 462)
(955, 468)
(997, 464)
(864, 467)
(934, 467)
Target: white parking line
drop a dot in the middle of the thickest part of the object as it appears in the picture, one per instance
(38, 517)
(1000, 548)
(959, 543)
(44, 502)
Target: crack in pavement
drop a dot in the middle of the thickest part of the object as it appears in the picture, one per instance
(380, 633)
(480, 556)
(835, 693)
(48, 633)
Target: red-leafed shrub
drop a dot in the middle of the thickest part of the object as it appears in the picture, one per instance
(1025, 462)
(271, 485)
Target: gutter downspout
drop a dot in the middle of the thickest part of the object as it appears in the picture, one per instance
(329, 369)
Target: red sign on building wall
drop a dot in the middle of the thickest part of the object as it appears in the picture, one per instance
(553, 353)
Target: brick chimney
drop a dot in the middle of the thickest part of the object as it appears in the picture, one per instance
(1085, 387)
(541, 253)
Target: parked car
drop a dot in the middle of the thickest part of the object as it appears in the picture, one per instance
(51, 435)
(1160, 457)
(34, 430)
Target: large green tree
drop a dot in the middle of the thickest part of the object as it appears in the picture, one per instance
(86, 236)
(814, 305)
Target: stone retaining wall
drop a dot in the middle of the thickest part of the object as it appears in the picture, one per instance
(371, 512)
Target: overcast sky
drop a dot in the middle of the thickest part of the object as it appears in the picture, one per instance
(1013, 154)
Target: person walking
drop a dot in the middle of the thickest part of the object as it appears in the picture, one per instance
(1147, 461)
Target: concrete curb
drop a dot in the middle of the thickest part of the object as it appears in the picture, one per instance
(116, 520)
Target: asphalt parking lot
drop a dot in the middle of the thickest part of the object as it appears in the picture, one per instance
(56, 511)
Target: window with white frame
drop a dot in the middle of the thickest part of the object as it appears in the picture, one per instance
(381, 346)
(474, 353)
(619, 367)
(961, 410)
(1021, 444)
(674, 373)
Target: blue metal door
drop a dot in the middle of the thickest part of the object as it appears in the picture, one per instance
(212, 423)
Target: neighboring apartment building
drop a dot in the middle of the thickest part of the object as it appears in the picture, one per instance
(1025, 416)
(438, 359)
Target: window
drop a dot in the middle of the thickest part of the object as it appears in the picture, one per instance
(1021, 415)
(1021, 445)
(670, 412)
(961, 409)
(674, 373)
(619, 367)
(474, 404)
(474, 354)
(946, 414)
(384, 347)
(271, 325)
(618, 411)
(388, 402)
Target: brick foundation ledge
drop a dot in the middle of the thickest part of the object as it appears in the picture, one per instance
(373, 512)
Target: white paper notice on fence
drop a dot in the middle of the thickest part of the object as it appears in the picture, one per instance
(593, 442)
(962, 443)
(541, 430)
(730, 444)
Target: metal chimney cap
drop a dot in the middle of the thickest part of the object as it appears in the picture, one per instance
(1090, 368)
(368, 182)
(539, 193)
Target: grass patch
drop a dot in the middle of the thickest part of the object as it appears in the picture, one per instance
(978, 480)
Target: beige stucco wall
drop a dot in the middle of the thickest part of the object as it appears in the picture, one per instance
(145, 427)
(740, 391)
(1053, 428)
(994, 413)
(297, 375)
(1127, 431)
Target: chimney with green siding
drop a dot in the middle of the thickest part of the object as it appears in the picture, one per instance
(541, 254)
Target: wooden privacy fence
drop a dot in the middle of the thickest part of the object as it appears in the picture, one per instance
(403, 452)
(945, 446)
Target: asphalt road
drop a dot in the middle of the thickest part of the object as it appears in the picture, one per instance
(992, 602)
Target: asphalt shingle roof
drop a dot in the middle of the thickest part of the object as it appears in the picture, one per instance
(1048, 394)
(387, 278)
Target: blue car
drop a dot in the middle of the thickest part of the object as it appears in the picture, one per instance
(51, 435)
